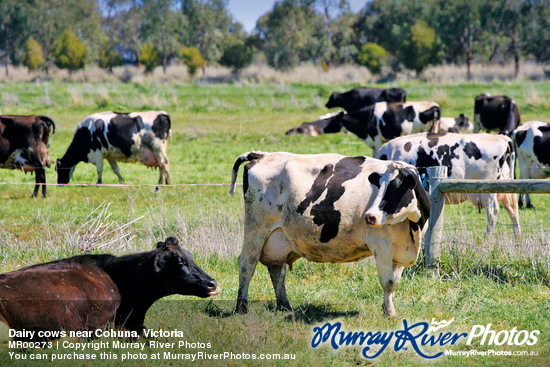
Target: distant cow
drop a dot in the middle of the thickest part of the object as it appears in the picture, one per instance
(496, 113)
(360, 97)
(532, 140)
(24, 144)
(383, 121)
(85, 292)
(328, 208)
(118, 137)
(324, 125)
(467, 156)
(455, 125)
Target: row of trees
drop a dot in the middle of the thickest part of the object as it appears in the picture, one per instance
(384, 35)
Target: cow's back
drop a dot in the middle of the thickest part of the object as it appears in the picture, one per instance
(58, 295)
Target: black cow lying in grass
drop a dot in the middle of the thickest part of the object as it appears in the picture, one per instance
(86, 292)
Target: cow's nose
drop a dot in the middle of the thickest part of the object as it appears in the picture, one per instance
(212, 284)
(371, 219)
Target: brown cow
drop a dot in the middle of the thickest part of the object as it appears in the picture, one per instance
(85, 292)
(24, 143)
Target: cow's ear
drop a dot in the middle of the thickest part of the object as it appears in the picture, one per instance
(374, 178)
(161, 257)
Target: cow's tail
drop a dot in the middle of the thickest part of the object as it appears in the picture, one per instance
(246, 157)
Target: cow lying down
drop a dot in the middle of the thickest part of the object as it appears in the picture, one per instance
(328, 208)
(86, 292)
(467, 156)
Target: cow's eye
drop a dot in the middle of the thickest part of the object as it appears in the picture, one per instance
(182, 262)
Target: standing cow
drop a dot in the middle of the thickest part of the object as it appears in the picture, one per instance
(383, 121)
(328, 208)
(24, 144)
(125, 137)
(533, 150)
(360, 97)
(86, 292)
(496, 113)
(467, 156)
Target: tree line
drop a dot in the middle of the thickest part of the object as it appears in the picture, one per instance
(384, 36)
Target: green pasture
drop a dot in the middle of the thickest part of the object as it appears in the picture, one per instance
(500, 280)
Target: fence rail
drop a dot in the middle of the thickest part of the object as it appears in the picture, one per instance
(439, 186)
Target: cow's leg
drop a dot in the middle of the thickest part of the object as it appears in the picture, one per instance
(250, 255)
(511, 205)
(490, 203)
(389, 274)
(40, 179)
(164, 165)
(99, 166)
(277, 274)
(116, 170)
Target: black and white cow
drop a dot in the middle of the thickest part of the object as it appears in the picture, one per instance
(360, 97)
(119, 137)
(455, 125)
(383, 121)
(499, 113)
(24, 144)
(467, 156)
(532, 140)
(328, 208)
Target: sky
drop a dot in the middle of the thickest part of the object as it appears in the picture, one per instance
(247, 12)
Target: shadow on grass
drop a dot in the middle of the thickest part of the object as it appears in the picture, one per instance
(308, 313)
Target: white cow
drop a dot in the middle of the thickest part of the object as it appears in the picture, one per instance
(467, 156)
(328, 208)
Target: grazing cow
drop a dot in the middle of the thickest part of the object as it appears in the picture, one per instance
(85, 292)
(325, 125)
(328, 208)
(496, 113)
(24, 144)
(383, 121)
(125, 137)
(358, 98)
(455, 125)
(532, 140)
(467, 156)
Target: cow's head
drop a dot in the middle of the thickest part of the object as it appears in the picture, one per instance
(176, 267)
(64, 173)
(333, 100)
(463, 123)
(400, 196)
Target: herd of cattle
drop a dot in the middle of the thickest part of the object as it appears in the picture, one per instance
(322, 207)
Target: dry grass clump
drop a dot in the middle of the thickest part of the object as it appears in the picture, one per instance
(260, 72)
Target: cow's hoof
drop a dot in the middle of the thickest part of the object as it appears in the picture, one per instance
(242, 308)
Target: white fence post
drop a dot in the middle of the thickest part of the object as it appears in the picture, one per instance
(432, 240)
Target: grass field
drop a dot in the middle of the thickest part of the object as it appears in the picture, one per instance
(501, 281)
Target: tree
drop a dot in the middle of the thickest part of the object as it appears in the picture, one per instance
(288, 30)
(33, 57)
(420, 47)
(149, 57)
(69, 52)
(372, 56)
(193, 59)
(109, 57)
(209, 27)
(237, 57)
(15, 20)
